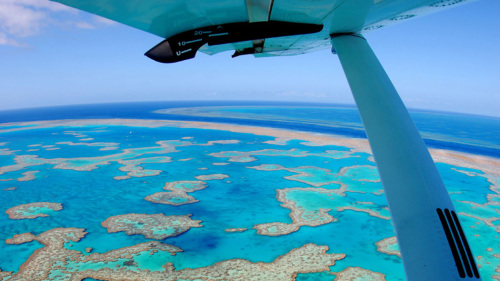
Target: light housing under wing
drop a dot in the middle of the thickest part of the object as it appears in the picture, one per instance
(184, 45)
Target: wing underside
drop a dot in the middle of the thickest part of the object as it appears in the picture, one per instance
(167, 19)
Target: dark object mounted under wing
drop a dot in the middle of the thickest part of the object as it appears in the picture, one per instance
(184, 45)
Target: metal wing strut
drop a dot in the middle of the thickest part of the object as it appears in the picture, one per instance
(432, 243)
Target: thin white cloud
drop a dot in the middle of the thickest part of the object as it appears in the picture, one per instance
(42, 4)
(19, 20)
(84, 25)
(22, 18)
(4, 40)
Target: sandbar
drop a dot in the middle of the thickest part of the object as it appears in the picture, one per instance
(388, 246)
(105, 144)
(133, 168)
(21, 238)
(240, 229)
(220, 164)
(4, 274)
(175, 198)
(358, 274)
(177, 193)
(33, 210)
(299, 216)
(107, 148)
(28, 176)
(155, 226)
(315, 217)
(6, 151)
(211, 177)
(48, 146)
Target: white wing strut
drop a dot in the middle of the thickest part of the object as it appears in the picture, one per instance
(432, 243)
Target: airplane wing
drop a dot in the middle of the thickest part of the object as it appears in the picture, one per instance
(170, 18)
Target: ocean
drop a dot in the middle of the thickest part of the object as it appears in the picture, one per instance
(217, 193)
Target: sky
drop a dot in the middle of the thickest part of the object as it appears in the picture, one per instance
(51, 54)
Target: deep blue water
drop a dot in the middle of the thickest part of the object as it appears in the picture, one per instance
(466, 133)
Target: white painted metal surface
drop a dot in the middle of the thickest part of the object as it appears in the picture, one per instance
(412, 184)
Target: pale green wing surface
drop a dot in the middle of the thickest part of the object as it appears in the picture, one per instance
(168, 18)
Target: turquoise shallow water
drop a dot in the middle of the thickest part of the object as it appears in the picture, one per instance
(245, 199)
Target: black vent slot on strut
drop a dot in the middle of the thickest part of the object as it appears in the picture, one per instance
(460, 249)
